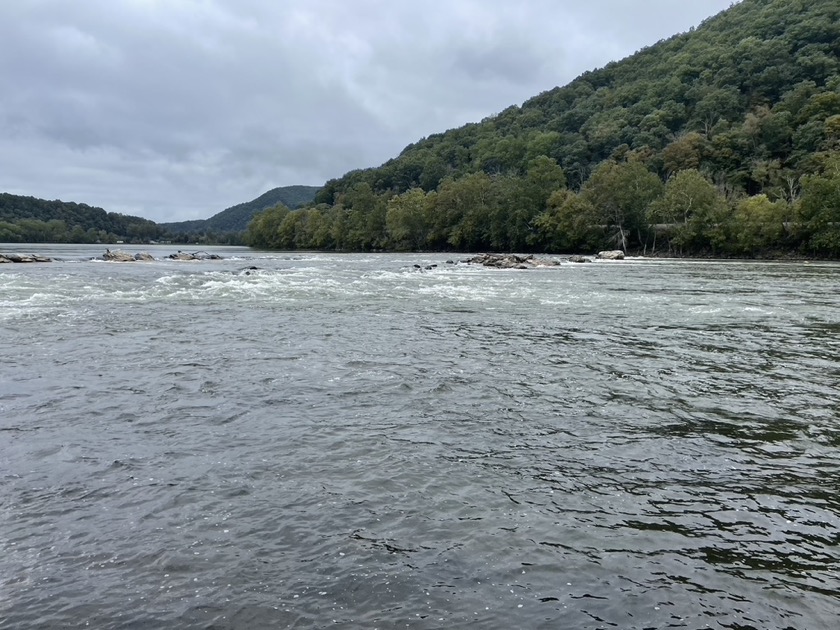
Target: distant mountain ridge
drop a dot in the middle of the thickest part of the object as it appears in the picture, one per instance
(31, 220)
(236, 218)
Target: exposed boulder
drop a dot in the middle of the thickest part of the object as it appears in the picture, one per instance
(194, 256)
(206, 256)
(144, 256)
(615, 254)
(579, 259)
(510, 261)
(23, 258)
(117, 256)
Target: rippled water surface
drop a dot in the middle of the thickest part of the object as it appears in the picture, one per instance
(350, 441)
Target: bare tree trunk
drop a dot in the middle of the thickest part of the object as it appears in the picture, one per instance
(792, 188)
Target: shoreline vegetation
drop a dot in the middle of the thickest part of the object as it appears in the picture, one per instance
(620, 207)
(722, 142)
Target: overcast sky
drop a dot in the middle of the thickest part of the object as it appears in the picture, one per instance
(178, 109)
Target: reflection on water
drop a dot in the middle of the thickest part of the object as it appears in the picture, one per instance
(343, 440)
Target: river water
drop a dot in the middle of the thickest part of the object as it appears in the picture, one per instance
(349, 441)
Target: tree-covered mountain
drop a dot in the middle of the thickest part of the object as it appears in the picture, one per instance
(31, 220)
(725, 139)
(236, 218)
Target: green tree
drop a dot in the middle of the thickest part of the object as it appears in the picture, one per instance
(689, 211)
(758, 224)
(462, 211)
(820, 209)
(264, 229)
(406, 220)
(568, 224)
(544, 177)
(686, 152)
(621, 194)
(365, 217)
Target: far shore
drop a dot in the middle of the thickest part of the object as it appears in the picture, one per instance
(29, 253)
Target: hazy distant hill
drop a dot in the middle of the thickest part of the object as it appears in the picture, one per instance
(236, 218)
(32, 220)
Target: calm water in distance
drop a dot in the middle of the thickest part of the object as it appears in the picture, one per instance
(346, 441)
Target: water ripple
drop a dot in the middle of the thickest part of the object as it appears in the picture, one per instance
(345, 441)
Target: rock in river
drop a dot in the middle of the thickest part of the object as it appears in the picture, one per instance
(23, 258)
(194, 256)
(118, 256)
(511, 261)
(615, 254)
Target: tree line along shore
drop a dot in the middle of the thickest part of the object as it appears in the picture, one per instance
(723, 141)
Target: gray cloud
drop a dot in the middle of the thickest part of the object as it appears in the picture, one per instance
(176, 110)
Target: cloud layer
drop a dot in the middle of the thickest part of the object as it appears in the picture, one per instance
(177, 109)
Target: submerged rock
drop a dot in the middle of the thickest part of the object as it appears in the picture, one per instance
(511, 261)
(23, 258)
(579, 259)
(422, 268)
(615, 254)
(194, 256)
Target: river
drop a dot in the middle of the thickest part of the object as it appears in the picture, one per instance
(315, 440)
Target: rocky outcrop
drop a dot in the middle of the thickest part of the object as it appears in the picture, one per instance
(194, 256)
(616, 254)
(510, 261)
(23, 258)
(119, 256)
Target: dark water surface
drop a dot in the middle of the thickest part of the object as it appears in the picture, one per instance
(346, 441)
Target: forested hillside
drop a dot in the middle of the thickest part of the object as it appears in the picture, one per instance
(723, 140)
(234, 220)
(31, 220)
